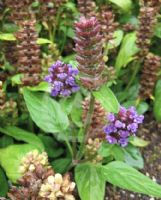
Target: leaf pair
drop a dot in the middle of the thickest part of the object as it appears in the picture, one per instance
(91, 180)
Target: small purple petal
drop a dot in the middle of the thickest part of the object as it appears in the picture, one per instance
(123, 142)
(54, 93)
(48, 79)
(139, 119)
(110, 129)
(70, 81)
(132, 127)
(62, 76)
(124, 134)
(111, 117)
(58, 85)
(65, 92)
(119, 124)
(75, 88)
(111, 139)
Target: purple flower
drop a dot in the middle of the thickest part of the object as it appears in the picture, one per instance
(111, 140)
(65, 92)
(132, 127)
(111, 117)
(122, 125)
(110, 129)
(119, 124)
(123, 142)
(62, 79)
(62, 76)
(124, 134)
(139, 119)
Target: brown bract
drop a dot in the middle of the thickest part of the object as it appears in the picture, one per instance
(87, 8)
(147, 22)
(149, 75)
(28, 52)
(97, 121)
(89, 47)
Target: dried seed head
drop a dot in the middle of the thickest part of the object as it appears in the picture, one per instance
(2, 94)
(149, 75)
(108, 25)
(148, 20)
(92, 148)
(89, 47)
(151, 3)
(49, 9)
(98, 119)
(20, 10)
(87, 8)
(31, 160)
(28, 53)
(56, 187)
(8, 109)
(129, 27)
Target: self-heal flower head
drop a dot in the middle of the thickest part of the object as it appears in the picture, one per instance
(122, 125)
(62, 79)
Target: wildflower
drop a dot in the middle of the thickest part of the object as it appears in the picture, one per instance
(122, 125)
(62, 79)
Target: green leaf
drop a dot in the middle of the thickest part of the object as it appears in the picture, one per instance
(51, 146)
(16, 79)
(125, 5)
(10, 159)
(3, 184)
(158, 30)
(130, 154)
(157, 101)
(22, 135)
(46, 112)
(138, 142)
(127, 51)
(113, 150)
(76, 113)
(5, 141)
(90, 181)
(61, 165)
(126, 177)
(43, 86)
(67, 104)
(41, 41)
(107, 99)
(105, 149)
(7, 36)
(133, 157)
(118, 36)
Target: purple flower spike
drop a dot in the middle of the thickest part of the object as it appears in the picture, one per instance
(62, 79)
(121, 126)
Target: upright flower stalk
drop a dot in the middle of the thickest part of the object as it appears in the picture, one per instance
(20, 10)
(87, 8)
(89, 46)
(28, 52)
(147, 22)
(149, 75)
(108, 24)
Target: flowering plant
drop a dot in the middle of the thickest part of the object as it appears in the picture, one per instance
(75, 87)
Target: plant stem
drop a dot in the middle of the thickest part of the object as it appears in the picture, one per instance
(69, 147)
(137, 67)
(87, 125)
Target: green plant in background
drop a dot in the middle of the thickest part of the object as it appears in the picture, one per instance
(83, 115)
